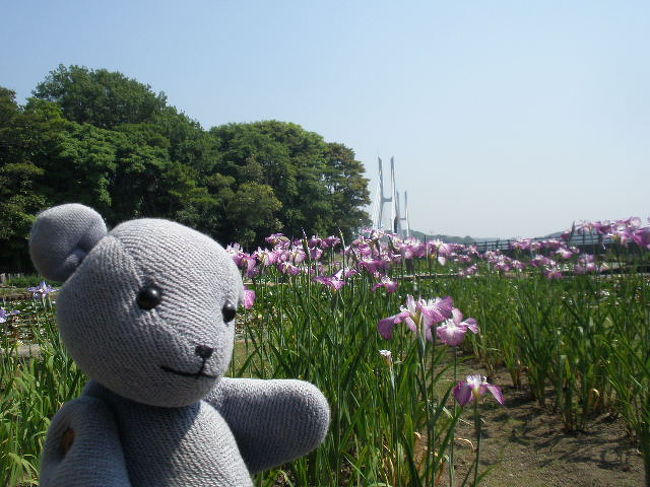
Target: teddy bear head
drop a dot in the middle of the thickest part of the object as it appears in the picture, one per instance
(147, 309)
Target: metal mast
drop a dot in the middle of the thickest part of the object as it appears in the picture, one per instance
(381, 198)
(396, 215)
(405, 218)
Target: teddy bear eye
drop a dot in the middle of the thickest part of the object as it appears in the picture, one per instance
(149, 297)
(228, 311)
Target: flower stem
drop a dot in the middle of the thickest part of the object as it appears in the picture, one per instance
(452, 470)
(477, 428)
(394, 424)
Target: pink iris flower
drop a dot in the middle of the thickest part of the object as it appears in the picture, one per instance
(249, 298)
(564, 253)
(641, 237)
(347, 272)
(330, 242)
(417, 313)
(436, 310)
(335, 282)
(298, 256)
(553, 273)
(372, 266)
(277, 239)
(386, 282)
(252, 269)
(266, 257)
(288, 268)
(473, 387)
(586, 264)
(441, 249)
(453, 331)
(315, 253)
(470, 271)
(237, 254)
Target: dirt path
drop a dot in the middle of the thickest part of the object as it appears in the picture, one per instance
(526, 447)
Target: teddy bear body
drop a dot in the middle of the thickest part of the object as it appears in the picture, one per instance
(147, 311)
(191, 445)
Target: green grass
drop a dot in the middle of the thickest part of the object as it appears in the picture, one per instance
(586, 337)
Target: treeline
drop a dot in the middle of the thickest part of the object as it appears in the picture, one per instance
(100, 138)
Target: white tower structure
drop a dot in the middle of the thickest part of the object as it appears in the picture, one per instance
(381, 198)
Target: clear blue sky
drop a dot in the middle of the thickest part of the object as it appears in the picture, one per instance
(506, 118)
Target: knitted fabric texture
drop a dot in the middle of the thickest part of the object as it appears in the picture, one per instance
(144, 314)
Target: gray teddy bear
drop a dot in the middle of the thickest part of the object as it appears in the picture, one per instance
(147, 311)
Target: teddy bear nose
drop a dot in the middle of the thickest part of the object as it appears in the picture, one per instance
(203, 351)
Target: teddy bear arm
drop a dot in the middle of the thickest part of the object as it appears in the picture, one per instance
(273, 421)
(83, 447)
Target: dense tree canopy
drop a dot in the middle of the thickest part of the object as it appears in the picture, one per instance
(108, 141)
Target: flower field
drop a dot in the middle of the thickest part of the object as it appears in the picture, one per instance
(382, 326)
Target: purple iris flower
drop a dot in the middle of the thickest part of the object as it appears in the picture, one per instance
(335, 282)
(347, 272)
(252, 269)
(623, 235)
(470, 271)
(441, 249)
(417, 313)
(553, 273)
(641, 237)
(473, 387)
(602, 228)
(518, 265)
(249, 298)
(364, 250)
(315, 241)
(551, 244)
(288, 268)
(277, 239)
(564, 253)
(266, 257)
(412, 248)
(453, 331)
(298, 255)
(4, 314)
(586, 264)
(42, 290)
(330, 242)
(436, 310)
(386, 325)
(386, 282)
(315, 253)
(521, 244)
(541, 260)
(237, 253)
(373, 266)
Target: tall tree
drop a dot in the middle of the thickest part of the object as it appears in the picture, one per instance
(22, 133)
(100, 97)
(347, 188)
(288, 159)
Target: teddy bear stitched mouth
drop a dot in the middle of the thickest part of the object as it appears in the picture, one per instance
(196, 375)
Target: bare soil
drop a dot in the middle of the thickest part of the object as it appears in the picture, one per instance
(524, 445)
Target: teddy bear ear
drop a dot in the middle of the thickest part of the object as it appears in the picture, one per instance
(61, 238)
